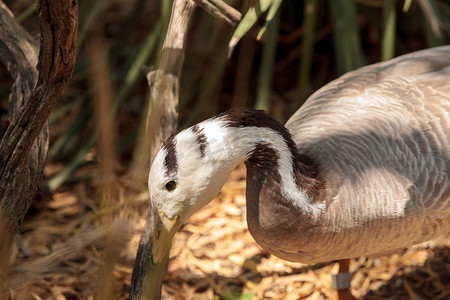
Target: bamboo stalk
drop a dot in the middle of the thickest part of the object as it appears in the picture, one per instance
(267, 64)
(244, 72)
(389, 24)
(346, 35)
(309, 25)
(214, 69)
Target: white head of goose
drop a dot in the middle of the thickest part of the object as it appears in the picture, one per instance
(362, 168)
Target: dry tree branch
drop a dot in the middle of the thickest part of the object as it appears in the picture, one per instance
(431, 17)
(164, 81)
(221, 10)
(162, 120)
(161, 123)
(20, 174)
(19, 54)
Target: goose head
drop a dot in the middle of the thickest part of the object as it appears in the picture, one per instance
(186, 174)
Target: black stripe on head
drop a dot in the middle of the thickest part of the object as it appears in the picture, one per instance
(200, 138)
(170, 161)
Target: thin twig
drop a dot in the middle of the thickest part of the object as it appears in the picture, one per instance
(221, 10)
(431, 17)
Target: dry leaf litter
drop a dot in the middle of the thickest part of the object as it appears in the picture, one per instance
(71, 248)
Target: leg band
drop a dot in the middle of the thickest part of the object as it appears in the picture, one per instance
(341, 281)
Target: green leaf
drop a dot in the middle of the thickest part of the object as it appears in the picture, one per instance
(270, 16)
(230, 294)
(252, 16)
(406, 5)
(31, 9)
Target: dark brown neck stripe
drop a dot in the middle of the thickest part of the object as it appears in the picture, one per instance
(170, 161)
(200, 138)
(249, 117)
(306, 171)
(264, 160)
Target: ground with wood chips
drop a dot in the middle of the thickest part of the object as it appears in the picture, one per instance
(71, 248)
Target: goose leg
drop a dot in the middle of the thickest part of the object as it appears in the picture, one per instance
(341, 281)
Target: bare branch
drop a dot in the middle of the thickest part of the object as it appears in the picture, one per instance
(221, 10)
(431, 17)
(161, 123)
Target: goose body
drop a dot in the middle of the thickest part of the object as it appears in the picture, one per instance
(381, 138)
(362, 168)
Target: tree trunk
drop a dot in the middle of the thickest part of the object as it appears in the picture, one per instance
(23, 148)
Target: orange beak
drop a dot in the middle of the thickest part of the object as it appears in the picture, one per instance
(163, 232)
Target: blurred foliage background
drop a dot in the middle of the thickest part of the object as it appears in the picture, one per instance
(286, 50)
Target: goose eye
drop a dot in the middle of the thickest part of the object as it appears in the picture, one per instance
(170, 185)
